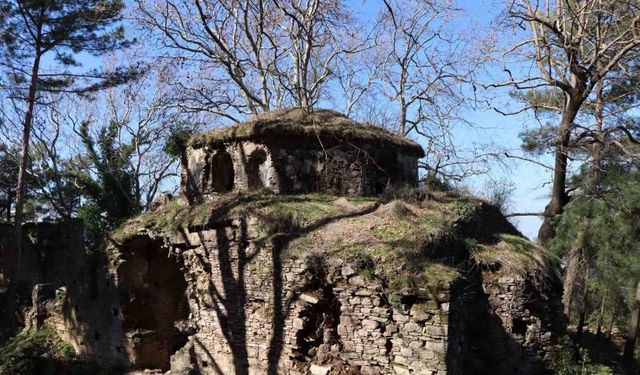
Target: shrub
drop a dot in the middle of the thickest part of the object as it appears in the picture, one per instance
(36, 352)
(562, 361)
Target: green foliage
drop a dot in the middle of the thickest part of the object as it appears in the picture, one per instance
(362, 261)
(43, 352)
(433, 183)
(424, 274)
(539, 140)
(605, 226)
(112, 190)
(67, 28)
(562, 361)
(94, 222)
(178, 140)
(8, 178)
(463, 209)
(33, 352)
(542, 101)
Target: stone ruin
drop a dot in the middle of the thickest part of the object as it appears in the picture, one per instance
(290, 152)
(246, 276)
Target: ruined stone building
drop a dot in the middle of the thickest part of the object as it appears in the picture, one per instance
(301, 246)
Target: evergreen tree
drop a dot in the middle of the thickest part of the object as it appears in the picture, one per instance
(110, 189)
(602, 221)
(41, 40)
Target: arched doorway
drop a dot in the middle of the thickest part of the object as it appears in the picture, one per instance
(152, 291)
(222, 173)
(254, 178)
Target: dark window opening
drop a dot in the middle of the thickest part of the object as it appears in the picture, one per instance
(222, 173)
(519, 327)
(256, 160)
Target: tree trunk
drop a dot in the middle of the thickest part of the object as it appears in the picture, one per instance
(584, 306)
(571, 276)
(632, 333)
(9, 204)
(614, 311)
(601, 316)
(22, 173)
(559, 196)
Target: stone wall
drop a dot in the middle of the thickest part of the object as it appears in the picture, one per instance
(530, 315)
(63, 286)
(291, 169)
(230, 298)
(253, 310)
(248, 308)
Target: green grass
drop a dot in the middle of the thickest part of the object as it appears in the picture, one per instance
(295, 123)
(277, 213)
(396, 244)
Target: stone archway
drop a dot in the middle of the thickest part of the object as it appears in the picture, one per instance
(152, 291)
(255, 161)
(222, 172)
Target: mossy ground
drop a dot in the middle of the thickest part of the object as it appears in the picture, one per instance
(403, 244)
(513, 253)
(43, 352)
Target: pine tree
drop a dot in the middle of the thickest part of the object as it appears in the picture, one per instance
(41, 40)
(602, 221)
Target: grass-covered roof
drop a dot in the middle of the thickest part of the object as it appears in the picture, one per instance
(319, 125)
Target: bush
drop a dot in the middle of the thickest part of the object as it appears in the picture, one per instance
(35, 353)
(43, 352)
(563, 361)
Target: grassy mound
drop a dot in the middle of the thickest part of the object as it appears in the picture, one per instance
(37, 352)
(412, 246)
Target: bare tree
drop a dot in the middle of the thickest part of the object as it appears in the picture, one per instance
(574, 46)
(250, 56)
(425, 65)
(419, 70)
(228, 41)
(145, 119)
(318, 33)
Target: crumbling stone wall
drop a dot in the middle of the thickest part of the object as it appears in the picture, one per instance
(253, 309)
(63, 286)
(226, 298)
(530, 314)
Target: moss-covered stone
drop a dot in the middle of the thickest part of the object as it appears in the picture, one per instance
(296, 123)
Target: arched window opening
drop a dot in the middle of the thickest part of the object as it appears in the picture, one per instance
(256, 160)
(222, 173)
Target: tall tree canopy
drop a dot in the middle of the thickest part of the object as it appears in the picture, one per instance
(578, 47)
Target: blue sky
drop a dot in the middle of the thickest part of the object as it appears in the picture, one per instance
(530, 181)
(489, 127)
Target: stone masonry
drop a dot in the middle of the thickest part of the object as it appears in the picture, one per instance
(283, 154)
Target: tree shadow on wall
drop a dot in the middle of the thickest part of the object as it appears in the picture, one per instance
(491, 345)
(229, 299)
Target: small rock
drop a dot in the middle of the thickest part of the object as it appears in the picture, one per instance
(401, 370)
(309, 298)
(348, 271)
(319, 370)
(370, 324)
(412, 327)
